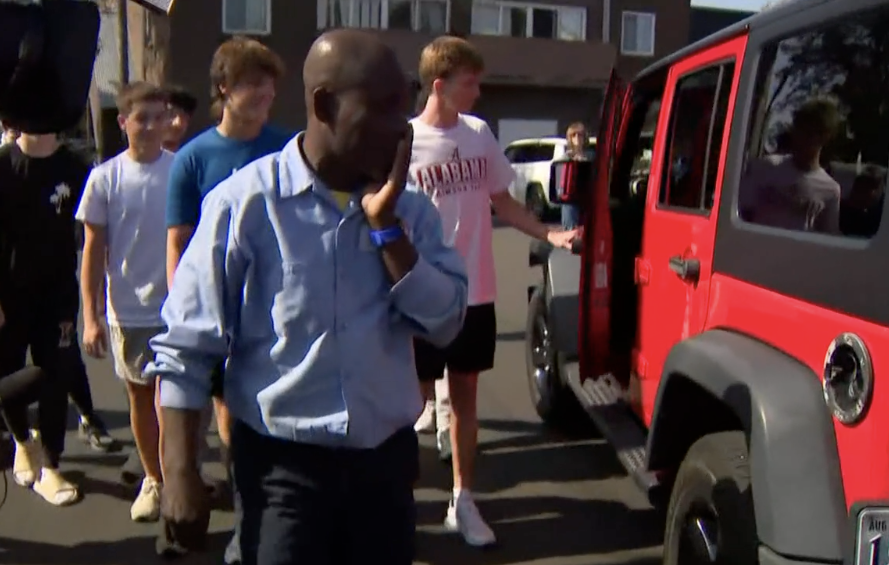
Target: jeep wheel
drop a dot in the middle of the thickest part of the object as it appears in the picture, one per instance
(710, 517)
(552, 399)
(535, 201)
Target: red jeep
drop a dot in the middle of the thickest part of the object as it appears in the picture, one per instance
(732, 317)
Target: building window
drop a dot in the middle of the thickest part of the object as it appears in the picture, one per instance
(529, 20)
(250, 17)
(637, 34)
(430, 16)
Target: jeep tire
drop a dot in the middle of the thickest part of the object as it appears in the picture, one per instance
(553, 400)
(710, 517)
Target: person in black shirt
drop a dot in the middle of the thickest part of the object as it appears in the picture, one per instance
(39, 185)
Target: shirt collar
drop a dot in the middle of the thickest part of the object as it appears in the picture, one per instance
(294, 175)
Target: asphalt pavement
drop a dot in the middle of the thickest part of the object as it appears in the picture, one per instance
(551, 499)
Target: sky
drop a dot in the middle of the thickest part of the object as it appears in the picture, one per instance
(731, 4)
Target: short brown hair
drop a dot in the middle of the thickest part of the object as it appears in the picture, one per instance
(447, 55)
(128, 95)
(818, 116)
(237, 59)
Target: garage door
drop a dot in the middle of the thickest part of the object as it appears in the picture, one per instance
(509, 130)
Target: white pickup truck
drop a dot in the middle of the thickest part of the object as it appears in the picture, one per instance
(531, 160)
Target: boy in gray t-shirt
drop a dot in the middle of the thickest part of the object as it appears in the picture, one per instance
(776, 192)
(794, 191)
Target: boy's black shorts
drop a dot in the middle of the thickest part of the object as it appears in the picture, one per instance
(217, 381)
(472, 351)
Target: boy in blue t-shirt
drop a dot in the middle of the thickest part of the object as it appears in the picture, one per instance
(203, 163)
(244, 73)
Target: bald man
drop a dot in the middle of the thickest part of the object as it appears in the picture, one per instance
(311, 270)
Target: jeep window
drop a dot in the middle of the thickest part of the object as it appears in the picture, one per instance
(635, 155)
(540, 152)
(642, 158)
(510, 153)
(819, 137)
(521, 154)
(697, 122)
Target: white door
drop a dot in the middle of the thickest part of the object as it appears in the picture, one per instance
(509, 130)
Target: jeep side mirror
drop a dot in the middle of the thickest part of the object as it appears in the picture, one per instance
(568, 179)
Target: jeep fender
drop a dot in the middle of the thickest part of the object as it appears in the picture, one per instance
(561, 274)
(794, 463)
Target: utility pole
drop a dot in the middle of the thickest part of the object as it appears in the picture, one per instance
(124, 43)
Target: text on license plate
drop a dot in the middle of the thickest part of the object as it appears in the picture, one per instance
(872, 537)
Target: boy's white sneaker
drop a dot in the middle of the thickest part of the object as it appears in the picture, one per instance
(463, 517)
(147, 506)
(426, 422)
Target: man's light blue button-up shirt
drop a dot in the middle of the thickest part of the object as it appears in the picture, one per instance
(290, 290)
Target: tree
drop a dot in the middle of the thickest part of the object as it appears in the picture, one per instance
(849, 63)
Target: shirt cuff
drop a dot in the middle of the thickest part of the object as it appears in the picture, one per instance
(176, 392)
(424, 293)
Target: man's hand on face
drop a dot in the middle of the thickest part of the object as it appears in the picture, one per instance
(562, 239)
(185, 508)
(95, 339)
(379, 202)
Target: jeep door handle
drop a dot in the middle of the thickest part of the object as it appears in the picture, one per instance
(686, 269)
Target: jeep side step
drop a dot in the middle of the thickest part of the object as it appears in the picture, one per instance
(616, 423)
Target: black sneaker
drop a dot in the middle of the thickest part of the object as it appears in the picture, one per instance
(93, 433)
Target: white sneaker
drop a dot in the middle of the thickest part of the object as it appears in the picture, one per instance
(426, 422)
(27, 463)
(147, 507)
(463, 517)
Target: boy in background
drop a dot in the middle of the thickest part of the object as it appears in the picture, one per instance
(458, 162)
(577, 149)
(181, 105)
(794, 191)
(122, 211)
(40, 181)
(243, 77)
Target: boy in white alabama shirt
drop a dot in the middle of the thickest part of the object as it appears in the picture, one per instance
(458, 162)
(122, 210)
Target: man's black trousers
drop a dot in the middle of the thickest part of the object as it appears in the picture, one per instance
(312, 505)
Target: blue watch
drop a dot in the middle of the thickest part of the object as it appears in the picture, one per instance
(384, 237)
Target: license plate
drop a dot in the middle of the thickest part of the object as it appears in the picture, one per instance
(872, 536)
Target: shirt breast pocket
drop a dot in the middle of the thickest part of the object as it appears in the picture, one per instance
(365, 243)
(293, 307)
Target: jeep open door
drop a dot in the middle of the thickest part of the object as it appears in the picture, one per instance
(596, 268)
